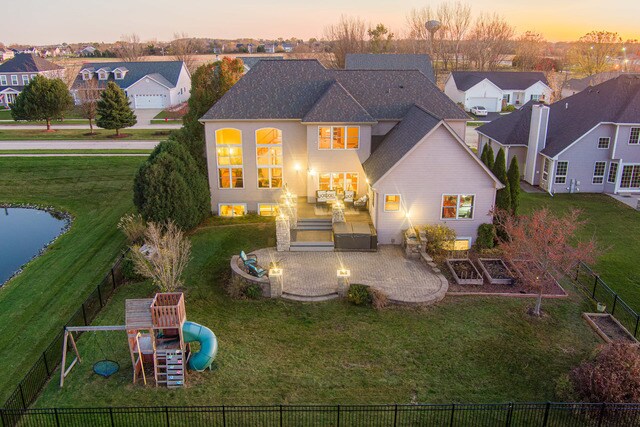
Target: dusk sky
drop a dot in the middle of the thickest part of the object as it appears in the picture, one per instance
(57, 21)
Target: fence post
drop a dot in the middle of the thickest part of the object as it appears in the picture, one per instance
(224, 417)
(111, 416)
(545, 420)
(453, 410)
(338, 423)
(24, 402)
(615, 300)
(84, 315)
(166, 414)
(395, 415)
(55, 412)
(46, 365)
(509, 414)
(635, 332)
(113, 279)
(595, 285)
(2, 417)
(601, 416)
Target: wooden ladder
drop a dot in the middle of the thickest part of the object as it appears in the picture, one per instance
(170, 367)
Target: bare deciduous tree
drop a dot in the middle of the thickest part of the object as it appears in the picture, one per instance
(489, 41)
(129, 48)
(593, 51)
(88, 95)
(184, 48)
(169, 253)
(557, 82)
(347, 36)
(530, 49)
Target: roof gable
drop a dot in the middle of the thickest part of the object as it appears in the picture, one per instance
(288, 89)
(505, 80)
(336, 105)
(390, 61)
(166, 73)
(27, 63)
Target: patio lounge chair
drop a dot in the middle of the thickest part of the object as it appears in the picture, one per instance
(349, 196)
(256, 270)
(248, 259)
(361, 203)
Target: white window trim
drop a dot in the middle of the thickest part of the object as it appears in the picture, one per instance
(14, 80)
(117, 75)
(33, 76)
(556, 176)
(615, 178)
(608, 143)
(3, 80)
(218, 167)
(547, 172)
(232, 204)
(473, 207)
(604, 173)
(630, 133)
(621, 171)
(260, 205)
(384, 205)
(344, 177)
(345, 138)
(258, 166)
(25, 79)
(101, 74)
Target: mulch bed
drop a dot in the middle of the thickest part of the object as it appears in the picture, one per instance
(611, 328)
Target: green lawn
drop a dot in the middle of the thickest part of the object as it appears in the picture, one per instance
(35, 305)
(273, 351)
(82, 134)
(72, 117)
(88, 151)
(162, 115)
(615, 226)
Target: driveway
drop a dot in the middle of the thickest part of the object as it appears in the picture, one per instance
(78, 145)
(145, 115)
(471, 137)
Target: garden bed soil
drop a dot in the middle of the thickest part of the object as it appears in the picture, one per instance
(495, 271)
(608, 327)
(464, 272)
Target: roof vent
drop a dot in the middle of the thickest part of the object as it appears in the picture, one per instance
(566, 106)
(401, 87)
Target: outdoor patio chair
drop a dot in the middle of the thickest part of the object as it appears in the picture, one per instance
(256, 270)
(349, 196)
(321, 196)
(332, 195)
(248, 259)
(361, 203)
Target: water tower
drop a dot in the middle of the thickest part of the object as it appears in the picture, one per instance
(432, 26)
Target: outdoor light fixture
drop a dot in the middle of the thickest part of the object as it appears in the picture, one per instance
(275, 271)
(297, 167)
(343, 272)
(312, 172)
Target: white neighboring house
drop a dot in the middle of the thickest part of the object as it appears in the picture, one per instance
(18, 72)
(158, 84)
(494, 90)
(6, 54)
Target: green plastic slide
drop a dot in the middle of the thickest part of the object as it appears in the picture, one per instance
(208, 345)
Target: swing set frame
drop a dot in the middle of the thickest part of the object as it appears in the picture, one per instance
(69, 339)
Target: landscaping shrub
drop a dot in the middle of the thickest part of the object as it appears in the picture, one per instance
(438, 236)
(359, 295)
(169, 187)
(509, 109)
(253, 291)
(486, 236)
(379, 300)
(239, 289)
(133, 227)
(129, 269)
(513, 176)
(503, 196)
(113, 109)
(612, 376)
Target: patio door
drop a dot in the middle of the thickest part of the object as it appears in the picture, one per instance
(339, 181)
(630, 178)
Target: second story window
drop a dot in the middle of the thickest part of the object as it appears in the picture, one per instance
(634, 137)
(603, 143)
(14, 80)
(229, 158)
(338, 137)
(269, 157)
(3, 80)
(103, 75)
(25, 79)
(118, 75)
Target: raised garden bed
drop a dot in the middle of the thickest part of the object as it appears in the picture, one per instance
(496, 271)
(608, 327)
(464, 272)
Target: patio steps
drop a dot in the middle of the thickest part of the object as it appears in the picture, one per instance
(303, 246)
(305, 298)
(314, 224)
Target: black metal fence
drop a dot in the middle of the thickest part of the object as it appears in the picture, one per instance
(503, 414)
(598, 290)
(30, 386)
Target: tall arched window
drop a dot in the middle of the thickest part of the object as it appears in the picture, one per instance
(229, 158)
(269, 157)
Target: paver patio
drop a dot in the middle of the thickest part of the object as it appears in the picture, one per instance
(313, 275)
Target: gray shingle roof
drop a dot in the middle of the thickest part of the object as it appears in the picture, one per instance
(585, 82)
(168, 70)
(336, 105)
(503, 79)
(251, 61)
(399, 141)
(614, 101)
(27, 63)
(390, 61)
(288, 89)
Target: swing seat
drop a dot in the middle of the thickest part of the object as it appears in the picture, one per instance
(106, 368)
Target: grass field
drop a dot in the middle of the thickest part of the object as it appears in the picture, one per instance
(615, 226)
(88, 151)
(72, 117)
(82, 134)
(34, 306)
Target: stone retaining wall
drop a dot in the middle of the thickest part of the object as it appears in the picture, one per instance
(239, 276)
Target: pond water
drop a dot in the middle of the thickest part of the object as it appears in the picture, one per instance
(23, 234)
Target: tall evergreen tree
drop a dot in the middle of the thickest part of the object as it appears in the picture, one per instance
(490, 157)
(513, 176)
(483, 156)
(42, 99)
(503, 196)
(113, 109)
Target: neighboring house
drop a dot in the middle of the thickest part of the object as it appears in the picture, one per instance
(287, 47)
(17, 72)
(87, 51)
(494, 90)
(573, 86)
(270, 48)
(390, 135)
(588, 142)
(390, 61)
(6, 54)
(251, 61)
(152, 84)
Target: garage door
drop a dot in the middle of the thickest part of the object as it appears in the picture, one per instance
(491, 104)
(150, 101)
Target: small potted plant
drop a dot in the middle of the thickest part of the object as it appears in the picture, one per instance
(601, 307)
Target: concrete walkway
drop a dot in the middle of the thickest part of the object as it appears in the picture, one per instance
(632, 200)
(314, 274)
(78, 145)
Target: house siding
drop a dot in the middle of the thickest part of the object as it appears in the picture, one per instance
(182, 91)
(148, 86)
(438, 165)
(484, 89)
